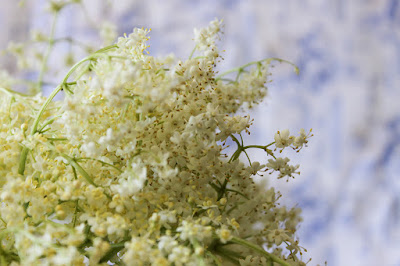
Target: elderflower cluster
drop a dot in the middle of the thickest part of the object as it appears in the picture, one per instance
(130, 166)
(283, 140)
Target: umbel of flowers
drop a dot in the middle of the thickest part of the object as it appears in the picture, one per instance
(130, 167)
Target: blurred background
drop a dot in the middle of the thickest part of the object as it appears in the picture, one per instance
(348, 92)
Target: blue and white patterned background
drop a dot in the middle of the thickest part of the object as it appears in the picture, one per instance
(348, 92)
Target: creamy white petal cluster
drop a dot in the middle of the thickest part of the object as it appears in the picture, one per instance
(130, 167)
(281, 164)
(283, 139)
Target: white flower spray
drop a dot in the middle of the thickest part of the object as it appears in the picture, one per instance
(129, 168)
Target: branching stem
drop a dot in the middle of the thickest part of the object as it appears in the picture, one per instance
(241, 68)
(260, 250)
(47, 53)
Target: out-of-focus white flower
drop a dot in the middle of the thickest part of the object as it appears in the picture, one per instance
(206, 37)
(224, 234)
(108, 32)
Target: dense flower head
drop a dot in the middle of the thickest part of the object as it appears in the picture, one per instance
(130, 165)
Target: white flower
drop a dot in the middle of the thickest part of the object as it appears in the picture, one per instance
(254, 168)
(131, 180)
(302, 139)
(6, 80)
(190, 230)
(134, 45)
(179, 255)
(138, 251)
(167, 243)
(289, 170)
(206, 37)
(90, 149)
(277, 236)
(283, 139)
(66, 256)
(278, 163)
(281, 164)
(224, 234)
(108, 32)
(131, 163)
(254, 261)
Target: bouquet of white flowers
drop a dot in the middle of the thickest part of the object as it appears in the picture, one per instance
(130, 169)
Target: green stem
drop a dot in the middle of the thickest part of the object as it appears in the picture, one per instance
(82, 171)
(12, 92)
(259, 250)
(236, 140)
(47, 53)
(200, 258)
(57, 139)
(42, 109)
(192, 53)
(234, 157)
(216, 260)
(238, 192)
(236, 69)
(229, 255)
(268, 60)
(258, 146)
(22, 160)
(74, 171)
(48, 123)
(239, 150)
(236, 154)
(226, 251)
(73, 41)
(248, 158)
(24, 153)
(100, 161)
(222, 190)
(115, 248)
(75, 214)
